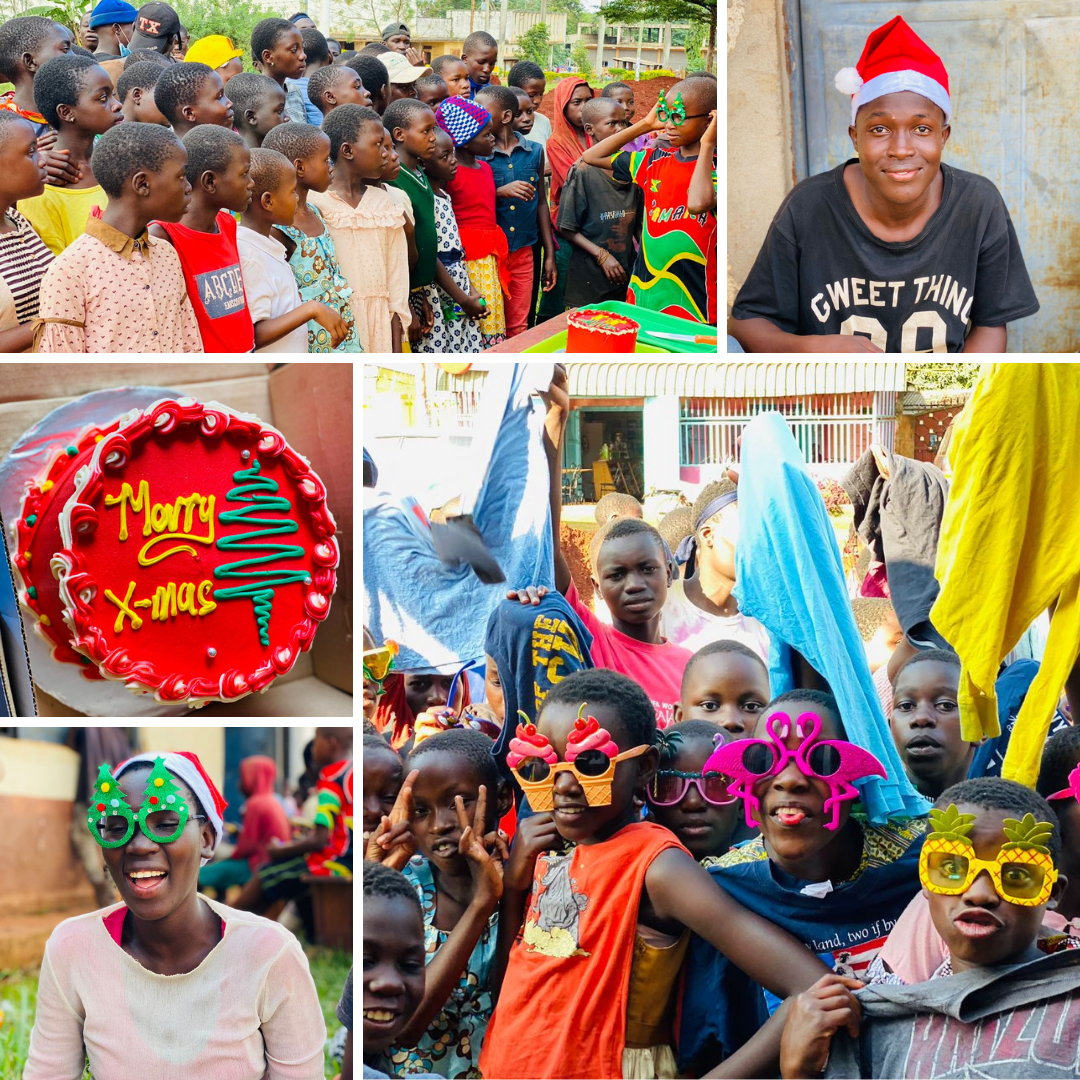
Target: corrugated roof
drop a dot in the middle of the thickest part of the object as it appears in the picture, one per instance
(602, 378)
(920, 401)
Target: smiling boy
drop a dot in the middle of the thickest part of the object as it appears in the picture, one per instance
(893, 250)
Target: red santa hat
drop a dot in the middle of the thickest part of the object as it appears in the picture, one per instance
(895, 58)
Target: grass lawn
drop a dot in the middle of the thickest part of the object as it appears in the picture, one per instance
(18, 998)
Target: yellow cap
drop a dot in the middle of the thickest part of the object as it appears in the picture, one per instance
(213, 51)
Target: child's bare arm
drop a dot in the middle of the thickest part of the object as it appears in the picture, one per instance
(543, 219)
(395, 334)
(761, 335)
(410, 239)
(267, 331)
(701, 194)
(469, 302)
(816, 1015)
(759, 1056)
(558, 403)
(599, 153)
(18, 339)
(992, 339)
(613, 269)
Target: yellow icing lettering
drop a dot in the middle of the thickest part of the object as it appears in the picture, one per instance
(206, 605)
(164, 519)
(186, 598)
(125, 609)
(164, 601)
(159, 517)
(168, 600)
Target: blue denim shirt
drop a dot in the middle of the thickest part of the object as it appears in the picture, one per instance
(518, 217)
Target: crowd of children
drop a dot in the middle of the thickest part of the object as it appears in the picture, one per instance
(646, 838)
(417, 245)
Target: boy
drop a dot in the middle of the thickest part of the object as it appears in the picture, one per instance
(454, 73)
(135, 90)
(527, 76)
(258, 106)
(192, 94)
(26, 44)
(75, 95)
(991, 928)
(279, 48)
(895, 251)
(521, 208)
(432, 90)
(879, 629)
(402, 75)
(218, 52)
(114, 22)
(157, 26)
(114, 289)
(623, 93)
(598, 216)
(684, 244)
(219, 171)
(333, 86)
(317, 52)
(376, 80)
(280, 317)
(725, 683)
(479, 51)
(615, 505)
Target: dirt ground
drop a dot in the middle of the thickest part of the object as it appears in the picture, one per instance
(575, 545)
(645, 95)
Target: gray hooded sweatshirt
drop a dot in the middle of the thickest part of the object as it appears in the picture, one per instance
(1019, 1020)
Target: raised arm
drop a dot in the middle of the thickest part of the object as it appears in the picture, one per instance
(701, 194)
(600, 152)
(557, 399)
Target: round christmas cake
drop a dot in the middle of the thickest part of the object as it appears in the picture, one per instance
(193, 556)
(600, 331)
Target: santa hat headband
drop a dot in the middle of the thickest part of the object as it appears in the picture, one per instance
(895, 58)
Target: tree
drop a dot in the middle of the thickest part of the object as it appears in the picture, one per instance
(691, 11)
(235, 19)
(534, 45)
(579, 58)
(694, 38)
(929, 376)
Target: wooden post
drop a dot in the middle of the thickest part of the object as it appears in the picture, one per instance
(472, 14)
(502, 35)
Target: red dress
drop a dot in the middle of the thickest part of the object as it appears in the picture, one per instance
(472, 194)
(211, 264)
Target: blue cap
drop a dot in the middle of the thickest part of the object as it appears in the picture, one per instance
(112, 11)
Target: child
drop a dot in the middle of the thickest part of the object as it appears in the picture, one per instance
(135, 90)
(454, 303)
(367, 227)
(727, 684)
(523, 122)
(529, 78)
(116, 289)
(23, 257)
(598, 217)
(615, 505)
(376, 80)
(479, 51)
(114, 24)
(219, 171)
(806, 290)
(520, 204)
(26, 45)
(280, 317)
(693, 804)
(925, 722)
(835, 882)
(75, 95)
(623, 93)
(1057, 775)
(192, 94)
(258, 106)
(384, 773)
(431, 90)
(317, 54)
(218, 52)
(681, 242)
(879, 629)
(472, 192)
(454, 72)
(308, 243)
(332, 86)
(279, 48)
(402, 76)
(604, 920)
(459, 885)
(990, 926)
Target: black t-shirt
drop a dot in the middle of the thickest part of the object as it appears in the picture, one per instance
(822, 271)
(606, 213)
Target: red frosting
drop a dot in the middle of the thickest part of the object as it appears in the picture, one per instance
(529, 743)
(589, 735)
(195, 647)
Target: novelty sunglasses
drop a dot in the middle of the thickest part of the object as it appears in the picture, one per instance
(675, 113)
(163, 815)
(1021, 877)
(669, 787)
(378, 663)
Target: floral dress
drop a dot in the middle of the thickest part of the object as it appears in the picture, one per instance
(451, 1045)
(452, 332)
(318, 277)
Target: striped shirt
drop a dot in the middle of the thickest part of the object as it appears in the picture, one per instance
(23, 262)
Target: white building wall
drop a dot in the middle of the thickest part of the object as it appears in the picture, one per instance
(660, 436)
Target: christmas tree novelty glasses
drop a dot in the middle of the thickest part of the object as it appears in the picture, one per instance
(675, 113)
(162, 817)
(1023, 871)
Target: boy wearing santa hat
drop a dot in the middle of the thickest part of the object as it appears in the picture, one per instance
(892, 251)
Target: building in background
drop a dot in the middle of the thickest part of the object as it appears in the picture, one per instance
(644, 46)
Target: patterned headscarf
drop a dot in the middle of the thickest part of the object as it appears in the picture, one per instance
(461, 119)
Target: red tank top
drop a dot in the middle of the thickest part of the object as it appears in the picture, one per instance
(211, 264)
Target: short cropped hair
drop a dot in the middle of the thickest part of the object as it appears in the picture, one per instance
(147, 56)
(342, 125)
(621, 694)
(595, 107)
(318, 81)
(607, 91)
(25, 34)
(8, 120)
(137, 77)
(622, 527)
(179, 85)
(870, 614)
(267, 34)
(373, 73)
(128, 148)
(479, 39)
(400, 113)
(812, 697)
(709, 492)
(1059, 758)
(941, 656)
(469, 745)
(723, 645)
(315, 46)
(269, 168)
(502, 95)
(59, 82)
(432, 81)
(210, 149)
(384, 883)
(442, 61)
(295, 141)
(616, 504)
(676, 526)
(525, 71)
(248, 88)
(672, 738)
(375, 48)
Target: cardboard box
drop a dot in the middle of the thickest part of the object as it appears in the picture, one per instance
(311, 404)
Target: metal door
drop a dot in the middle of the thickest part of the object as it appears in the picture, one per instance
(1013, 80)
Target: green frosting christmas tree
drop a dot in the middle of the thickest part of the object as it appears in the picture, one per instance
(107, 800)
(162, 794)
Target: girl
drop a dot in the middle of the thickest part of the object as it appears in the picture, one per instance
(153, 971)
(384, 772)
(472, 192)
(598, 903)
(368, 227)
(308, 244)
(406, 695)
(454, 303)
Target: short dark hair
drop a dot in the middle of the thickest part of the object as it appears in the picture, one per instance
(709, 492)
(599, 686)
(870, 613)
(371, 742)
(502, 95)
(318, 81)
(724, 645)
(266, 34)
(210, 149)
(441, 61)
(343, 124)
(595, 106)
(147, 56)
(677, 525)
(479, 39)
(137, 77)
(606, 92)
(384, 883)
(670, 739)
(179, 85)
(25, 34)
(622, 527)
(432, 80)
(78, 50)
(129, 148)
(375, 48)
(59, 82)
(300, 15)
(995, 793)
(268, 170)
(525, 71)
(1059, 758)
(373, 73)
(295, 141)
(8, 120)
(941, 656)
(400, 113)
(315, 47)
(248, 88)
(616, 502)
(701, 75)
(812, 697)
(473, 746)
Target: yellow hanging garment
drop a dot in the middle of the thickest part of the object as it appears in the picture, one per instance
(1010, 545)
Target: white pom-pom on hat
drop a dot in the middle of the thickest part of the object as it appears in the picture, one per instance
(848, 80)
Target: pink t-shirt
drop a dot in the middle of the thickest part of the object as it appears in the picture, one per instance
(657, 669)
